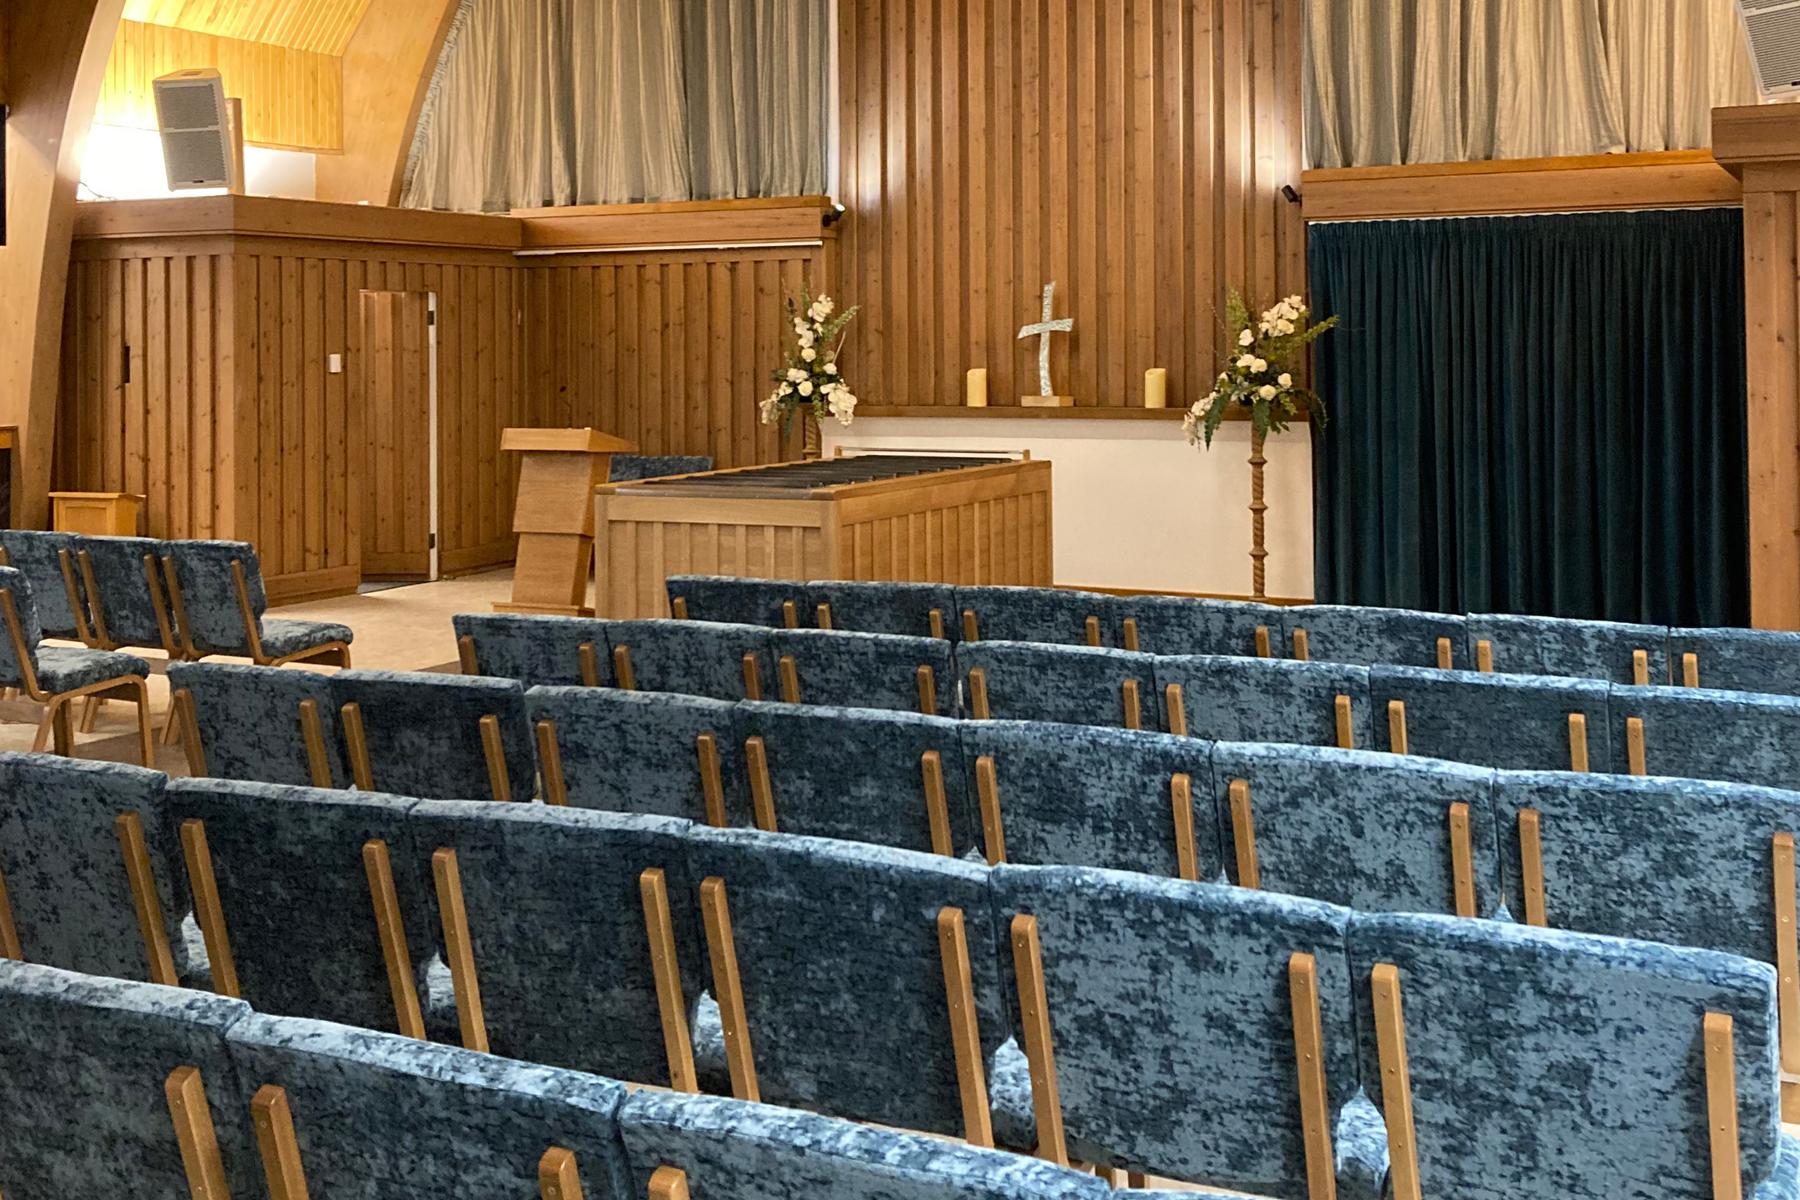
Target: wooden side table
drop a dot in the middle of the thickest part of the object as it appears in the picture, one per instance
(104, 514)
(554, 516)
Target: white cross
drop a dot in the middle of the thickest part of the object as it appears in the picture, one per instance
(1042, 331)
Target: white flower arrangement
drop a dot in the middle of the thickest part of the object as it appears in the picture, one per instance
(1262, 345)
(809, 373)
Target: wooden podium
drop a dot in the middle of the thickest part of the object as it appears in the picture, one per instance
(554, 516)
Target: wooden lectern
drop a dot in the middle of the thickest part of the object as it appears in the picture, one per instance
(554, 516)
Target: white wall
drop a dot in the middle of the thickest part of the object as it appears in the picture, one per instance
(1134, 505)
(127, 164)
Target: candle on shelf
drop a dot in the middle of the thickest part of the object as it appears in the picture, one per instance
(1156, 388)
(977, 388)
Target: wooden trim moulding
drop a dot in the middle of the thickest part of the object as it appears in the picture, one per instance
(1662, 179)
(779, 219)
(1092, 412)
(268, 216)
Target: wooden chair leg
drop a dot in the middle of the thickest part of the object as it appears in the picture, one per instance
(925, 682)
(762, 788)
(1397, 726)
(978, 694)
(312, 733)
(146, 747)
(669, 1183)
(965, 1032)
(937, 807)
(1262, 641)
(1128, 633)
(1181, 803)
(465, 655)
(1787, 969)
(144, 901)
(728, 989)
(1531, 866)
(356, 746)
(1462, 860)
(993, 828)
(788, 673)
(558, 1176)
(1040, 1052)
(209, 914)
(276, 1144)
(1396, 1083)
(1635, 755)
(459, 950)
(1243, 834)
(90, 713)
(1309, 1061)
(587, 661)
(185, 1094)
(62, 727)
(665, 969)
(183, 702)
(409, 1019)
(550, 769)
(1578, 742)
(1346, 732)
(493, 749)
(790, 615)
(1302, 646)
(1175, 705)
(44, 730)
(753, 679)
(9, 929)
(624, 677)
(1721, 1107)
(1690, 670)
(712, 780)
(1131, 706)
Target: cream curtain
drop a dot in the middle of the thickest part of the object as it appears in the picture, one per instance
(555, 102)
(1408, 81)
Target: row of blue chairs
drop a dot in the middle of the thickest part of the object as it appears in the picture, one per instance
(126, 1089)
(1224, 1036)
(1727, 659)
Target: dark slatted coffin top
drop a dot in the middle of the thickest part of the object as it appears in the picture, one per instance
(800, 480)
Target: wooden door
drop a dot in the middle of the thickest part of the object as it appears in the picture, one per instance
(397, 520)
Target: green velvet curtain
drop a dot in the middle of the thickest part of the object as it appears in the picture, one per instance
(1534, 415)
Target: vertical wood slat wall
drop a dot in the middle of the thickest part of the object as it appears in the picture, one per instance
(1131, 150)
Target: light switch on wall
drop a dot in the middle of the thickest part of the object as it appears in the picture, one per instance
(334, 364)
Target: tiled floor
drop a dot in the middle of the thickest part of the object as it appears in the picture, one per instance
(401, 629)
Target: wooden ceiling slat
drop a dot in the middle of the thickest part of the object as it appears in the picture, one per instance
(318, 26)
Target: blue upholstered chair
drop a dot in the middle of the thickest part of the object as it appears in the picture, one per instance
(732, 1150)
(1059, 616)
(438, 737)
(556, 913)
(1400, 637)
(1516, 722)
(842, 976)
(771, 603)
(695, 658)
(884, 778)
(626, 468)
(1074, 685)
(122, 580)
(536, 651)
(367, 1114)
(48, 560)
(216, 590)
(637, 752)
(85, 852)
(913, 609)
(57, 676)
(1233, 699)
(1171, 1009)
(255, 723)
(864, 670)
(302, 898)
(1541, 1062)
(92, 1066)
(1609, 650)
(1190, 625)
(1737, 660)
(1700, 733)
(1357, 828)
(1125, 799)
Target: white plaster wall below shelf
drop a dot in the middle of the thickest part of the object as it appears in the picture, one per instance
(1134, 505)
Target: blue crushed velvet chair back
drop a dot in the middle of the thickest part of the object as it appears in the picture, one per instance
(122, 591)
(424, 732)
(1546, 1062)
(1700, 733)
(1073, 685)
(733, 1150)
(379, 1115)
(295, 894)
(12, 672)
(865, 670)
(1173, 1028)
(739, 601)
(1234, 699)
(884, 607)
(1075, 796)
(64, 869)
(536, 651)
(209, 596)
(81, 1098)
(1665, 860)
(694, 658)
(638, 752)
(1515, 722)
(1057, 616)
(38, 554)
(557, 924)
(626, 468)
(1396, 636)
(249, 720)
(856, 774)
(1570, 647)
(1739, 660)
(1357, 828)
(1190, 625)
(837, 948)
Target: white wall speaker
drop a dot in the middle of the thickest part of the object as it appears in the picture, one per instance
(194, 119)
(1772, 28)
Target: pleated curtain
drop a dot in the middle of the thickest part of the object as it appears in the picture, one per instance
(1415, 81)
(537, 103)
(1539, 414)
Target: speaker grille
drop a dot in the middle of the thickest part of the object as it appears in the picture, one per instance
(195, 158)
(1773, 30)
(189, 106)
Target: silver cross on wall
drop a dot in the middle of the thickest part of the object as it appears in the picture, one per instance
(1042, 331)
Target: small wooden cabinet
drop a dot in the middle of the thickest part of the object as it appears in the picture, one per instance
(104, 514)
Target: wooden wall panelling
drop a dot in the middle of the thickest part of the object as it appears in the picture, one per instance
(1131, 150)
(396, 460)
(319, 26)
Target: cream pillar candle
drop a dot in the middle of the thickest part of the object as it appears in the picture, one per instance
(1156, 388)
(977, 387)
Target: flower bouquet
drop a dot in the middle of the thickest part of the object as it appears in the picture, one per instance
(809, 376)
(1257, 376)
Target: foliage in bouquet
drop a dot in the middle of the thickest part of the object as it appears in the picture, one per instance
(809, 374)
(1257, 376)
